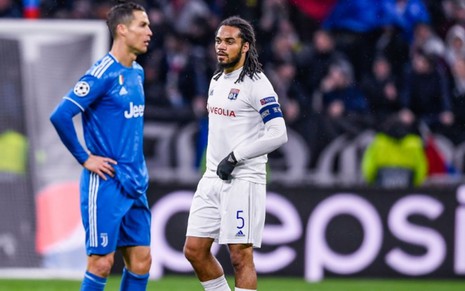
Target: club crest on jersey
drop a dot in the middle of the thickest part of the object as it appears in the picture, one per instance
(120, 79)
(104, 237)
(81, 89)
(233, 94)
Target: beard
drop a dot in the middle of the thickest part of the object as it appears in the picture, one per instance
(232, 63)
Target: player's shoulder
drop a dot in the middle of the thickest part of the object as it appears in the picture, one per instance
(137, 66)
(102, 67)
(258, 80)
(257, 77)
(260, 77)
(216, 76)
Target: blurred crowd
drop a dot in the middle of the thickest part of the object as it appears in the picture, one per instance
(338, 66)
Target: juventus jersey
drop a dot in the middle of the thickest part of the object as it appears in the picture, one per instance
(237, 114)
(111, 99)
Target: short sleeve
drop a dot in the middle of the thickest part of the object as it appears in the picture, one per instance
(87, 90)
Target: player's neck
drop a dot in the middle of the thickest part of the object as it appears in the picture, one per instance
(230, 70)
(122, 55)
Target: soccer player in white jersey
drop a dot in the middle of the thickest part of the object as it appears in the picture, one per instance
(114, 207)
(245, 124)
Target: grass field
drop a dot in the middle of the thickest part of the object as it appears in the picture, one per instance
(188, 283)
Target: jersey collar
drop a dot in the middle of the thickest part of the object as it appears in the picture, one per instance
(233, 74)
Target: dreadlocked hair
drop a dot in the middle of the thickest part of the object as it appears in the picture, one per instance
(251, 64)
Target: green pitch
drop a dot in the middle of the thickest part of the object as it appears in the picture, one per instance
(189, 283)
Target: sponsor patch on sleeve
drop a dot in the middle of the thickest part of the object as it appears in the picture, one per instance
(267, 100)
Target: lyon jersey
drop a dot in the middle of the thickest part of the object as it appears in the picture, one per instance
(111, 98)
(237, 113)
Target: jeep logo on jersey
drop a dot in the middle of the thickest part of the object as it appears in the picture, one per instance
(81, 89)
(134, 111)
(233, 94)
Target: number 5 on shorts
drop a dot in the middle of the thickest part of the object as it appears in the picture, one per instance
(240, 218)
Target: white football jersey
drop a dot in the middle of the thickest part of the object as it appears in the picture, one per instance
(237, 114)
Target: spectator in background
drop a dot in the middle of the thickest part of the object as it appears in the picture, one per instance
(359, 25)
(315, 65)
(56, 9)
(455, 45)
(344, 106)
(10, 9)
(425, 39)
(182, 14)
(278, 38)
(405, 14)
(458, 98)
(78, 9)
(156, 103)
(356, 26)
(458, 72)
(454, 11)
(309, 14)
(273, 12)
(295, 104)
(247, 9)
(395, 158)
(312, 67)
(440, 16)
(280, 50)
(182, 78)
(14, 147)
(425, 95)
(340, 106)
(380, 89)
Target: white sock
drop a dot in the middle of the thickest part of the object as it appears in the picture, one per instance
(218, 284)
(241, 289)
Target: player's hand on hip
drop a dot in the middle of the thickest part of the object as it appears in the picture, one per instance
(102, 166)
(226, 166)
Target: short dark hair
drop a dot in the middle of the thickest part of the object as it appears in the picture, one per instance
(121, 13)
(251, 66)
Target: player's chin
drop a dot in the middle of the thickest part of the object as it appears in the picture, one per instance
(223, 63)
(222, 59)
(142, 50)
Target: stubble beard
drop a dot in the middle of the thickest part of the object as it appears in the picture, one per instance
(231, 64)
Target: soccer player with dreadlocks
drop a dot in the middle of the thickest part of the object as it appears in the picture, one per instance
(245, 124)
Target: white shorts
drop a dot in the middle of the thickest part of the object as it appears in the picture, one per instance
(230, 212)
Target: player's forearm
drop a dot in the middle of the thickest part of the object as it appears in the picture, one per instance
(62, 120)
(274, 137)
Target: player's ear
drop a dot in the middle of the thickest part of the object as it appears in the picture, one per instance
(121, 29)
(245, 47)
